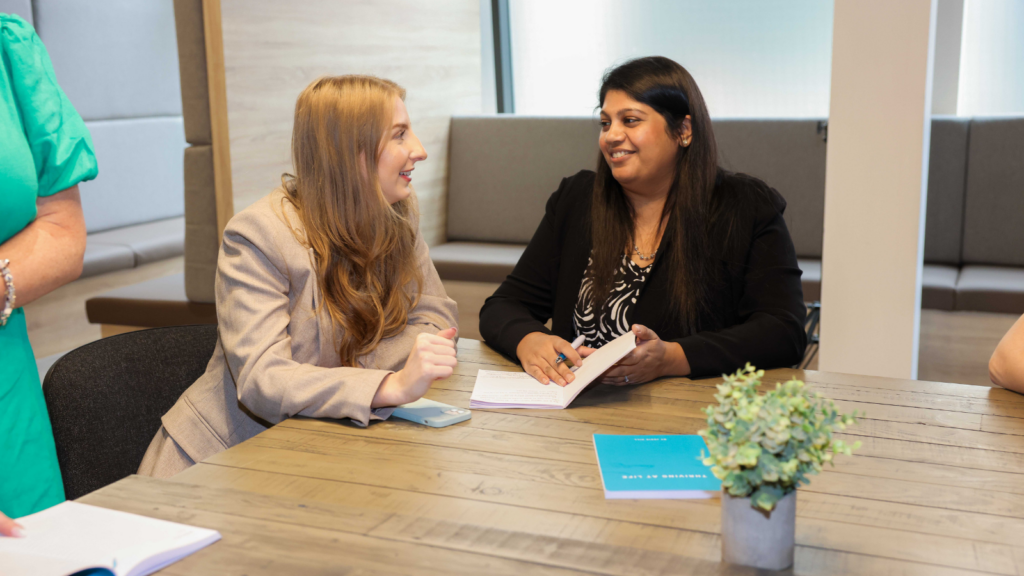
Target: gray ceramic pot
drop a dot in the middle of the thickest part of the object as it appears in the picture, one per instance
(753, 537)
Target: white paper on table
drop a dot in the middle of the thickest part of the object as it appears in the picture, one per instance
(71, 537)
(520, 390)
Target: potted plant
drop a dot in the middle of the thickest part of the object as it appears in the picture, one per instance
(762, 447)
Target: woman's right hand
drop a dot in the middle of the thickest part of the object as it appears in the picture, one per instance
(432, 358)
(9, 527)
(538, 353)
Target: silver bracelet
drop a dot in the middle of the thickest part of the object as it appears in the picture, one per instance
(5, 272)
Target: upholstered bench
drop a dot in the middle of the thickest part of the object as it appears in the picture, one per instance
(503, 168)
(150, 304)
(132, 246)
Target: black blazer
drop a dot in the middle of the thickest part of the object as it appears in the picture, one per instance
(757, 316)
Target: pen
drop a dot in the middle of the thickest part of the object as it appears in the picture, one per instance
(575, 344)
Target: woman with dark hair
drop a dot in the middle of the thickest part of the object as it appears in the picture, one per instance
(694, 260)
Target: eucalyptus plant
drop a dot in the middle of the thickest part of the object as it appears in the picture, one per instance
(765, 446)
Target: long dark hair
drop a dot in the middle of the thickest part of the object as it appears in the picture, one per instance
(686, 254)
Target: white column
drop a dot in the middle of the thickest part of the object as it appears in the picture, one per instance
(875, 186)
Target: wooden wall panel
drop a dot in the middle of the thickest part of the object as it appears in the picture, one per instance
(272, 50)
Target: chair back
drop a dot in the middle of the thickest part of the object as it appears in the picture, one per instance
(106, 399)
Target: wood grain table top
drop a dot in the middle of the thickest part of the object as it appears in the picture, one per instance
(937, 488)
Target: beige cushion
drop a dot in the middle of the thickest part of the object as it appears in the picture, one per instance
(201, 240)
(475, 261)
(991, 289)
(938, 286)
(195, 100)
(150, 304)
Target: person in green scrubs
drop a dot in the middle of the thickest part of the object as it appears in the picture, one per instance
(45, 151)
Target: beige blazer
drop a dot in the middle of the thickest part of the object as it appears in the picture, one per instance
(275, 356)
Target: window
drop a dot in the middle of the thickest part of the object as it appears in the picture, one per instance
(992, 58)
(751, 58)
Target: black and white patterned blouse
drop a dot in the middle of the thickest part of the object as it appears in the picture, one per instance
(614, 321)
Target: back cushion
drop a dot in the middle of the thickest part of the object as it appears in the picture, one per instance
(115, 58)
(141, 176)
(947, 167)
(994, 205)
(21, 8)
(502, 169)
(789, 155)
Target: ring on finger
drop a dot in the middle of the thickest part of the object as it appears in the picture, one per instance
(627, 379)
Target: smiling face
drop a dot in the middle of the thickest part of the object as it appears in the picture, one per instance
(399, 153)
(636, 144)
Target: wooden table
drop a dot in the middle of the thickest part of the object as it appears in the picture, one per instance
(936, 489)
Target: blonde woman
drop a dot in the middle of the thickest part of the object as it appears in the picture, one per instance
(327, 302)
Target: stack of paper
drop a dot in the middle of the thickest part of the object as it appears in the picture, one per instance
(70, 538)
(520, 390)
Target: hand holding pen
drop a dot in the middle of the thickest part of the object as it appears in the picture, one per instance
(543, 356)
(575, 344)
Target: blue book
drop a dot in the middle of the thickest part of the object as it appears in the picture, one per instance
(664, 466)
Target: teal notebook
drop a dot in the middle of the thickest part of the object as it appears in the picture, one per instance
(656, 467)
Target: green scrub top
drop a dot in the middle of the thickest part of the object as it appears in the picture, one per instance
(44, 149)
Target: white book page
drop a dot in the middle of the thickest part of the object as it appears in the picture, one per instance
(598, 363)
(494, 387)
(74, 534)
(515, 389)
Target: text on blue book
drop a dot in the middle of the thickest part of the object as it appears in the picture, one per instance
(649, 476)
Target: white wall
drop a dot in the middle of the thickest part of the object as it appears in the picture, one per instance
(751, 58)
(992, 58)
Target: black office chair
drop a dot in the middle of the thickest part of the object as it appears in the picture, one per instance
(106, 398)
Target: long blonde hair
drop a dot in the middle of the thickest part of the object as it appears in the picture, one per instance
(364, 248)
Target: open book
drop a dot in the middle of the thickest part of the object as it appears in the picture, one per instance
(72, 537)
(520, 390)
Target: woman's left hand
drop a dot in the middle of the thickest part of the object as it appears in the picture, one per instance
(651, 359)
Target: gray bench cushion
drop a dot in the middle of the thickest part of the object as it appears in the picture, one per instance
(103, 258)
(993, 233)
(947, 169)
(147, 242)
(938, 286)
(790, 156)
(475, 261)
(141, 175)
(991, 289)
(811, 278)
(132, 246)
(502, 169)
(113, 59)
(150, 304)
